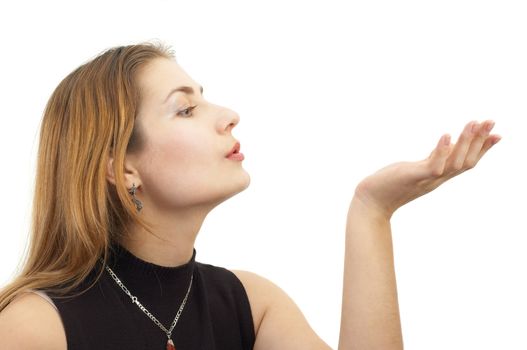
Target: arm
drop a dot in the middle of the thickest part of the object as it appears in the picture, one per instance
(370, 311)
(30, 322)
(279, 324)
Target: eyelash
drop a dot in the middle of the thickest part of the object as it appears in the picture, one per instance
(189, 109)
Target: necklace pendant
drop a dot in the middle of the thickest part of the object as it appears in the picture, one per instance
(170, 345)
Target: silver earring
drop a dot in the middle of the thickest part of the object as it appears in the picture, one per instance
(137, 202)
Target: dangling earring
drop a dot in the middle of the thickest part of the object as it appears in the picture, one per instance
(136, 201)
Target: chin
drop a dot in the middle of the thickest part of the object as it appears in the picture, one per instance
(247, 181)
(235, 188)
(241, 185)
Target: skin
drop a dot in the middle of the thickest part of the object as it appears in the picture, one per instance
(182, 174)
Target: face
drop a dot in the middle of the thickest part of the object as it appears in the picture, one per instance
(185, 141)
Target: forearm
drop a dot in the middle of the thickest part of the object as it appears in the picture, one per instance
(370, 310)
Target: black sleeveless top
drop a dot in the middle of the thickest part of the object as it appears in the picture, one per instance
(217, 314)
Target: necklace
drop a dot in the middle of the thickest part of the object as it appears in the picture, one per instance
(170, 343)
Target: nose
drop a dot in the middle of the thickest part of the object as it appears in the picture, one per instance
(228, 120)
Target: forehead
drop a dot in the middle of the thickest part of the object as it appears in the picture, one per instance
(159, 77)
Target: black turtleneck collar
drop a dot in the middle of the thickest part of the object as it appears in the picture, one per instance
(146, 279)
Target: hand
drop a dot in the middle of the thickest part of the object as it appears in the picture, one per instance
(395, 185)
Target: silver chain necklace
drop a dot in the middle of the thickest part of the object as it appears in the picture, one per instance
(170, 343)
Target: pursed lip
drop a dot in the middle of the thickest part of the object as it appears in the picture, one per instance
(235, 149)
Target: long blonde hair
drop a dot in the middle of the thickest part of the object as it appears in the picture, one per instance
(77, 213)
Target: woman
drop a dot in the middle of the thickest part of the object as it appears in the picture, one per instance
(131, 160)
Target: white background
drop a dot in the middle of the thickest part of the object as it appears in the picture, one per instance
(328, 92)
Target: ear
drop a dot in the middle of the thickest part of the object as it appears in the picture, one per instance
(131, 175)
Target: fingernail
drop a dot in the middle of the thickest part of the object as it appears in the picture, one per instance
(446, 140)
(496, 140)
(490, 126)
(474, 128)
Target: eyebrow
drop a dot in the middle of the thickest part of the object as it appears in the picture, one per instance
(186, 89)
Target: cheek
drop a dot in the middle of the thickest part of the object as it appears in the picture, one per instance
(176, 168)
(180, 153)
(181, 149)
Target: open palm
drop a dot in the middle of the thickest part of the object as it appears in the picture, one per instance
(397, 184)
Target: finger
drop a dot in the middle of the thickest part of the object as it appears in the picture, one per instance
(437, 160)
(457, 157)
(481, 133)
(489, 142)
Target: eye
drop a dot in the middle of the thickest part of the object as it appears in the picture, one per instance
(186, 112)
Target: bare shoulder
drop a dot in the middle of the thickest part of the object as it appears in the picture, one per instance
(278, 321)
(258, 291)
(29, 321)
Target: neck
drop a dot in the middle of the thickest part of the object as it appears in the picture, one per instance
(172, 243)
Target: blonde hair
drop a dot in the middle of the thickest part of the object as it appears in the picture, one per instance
(77, 213)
